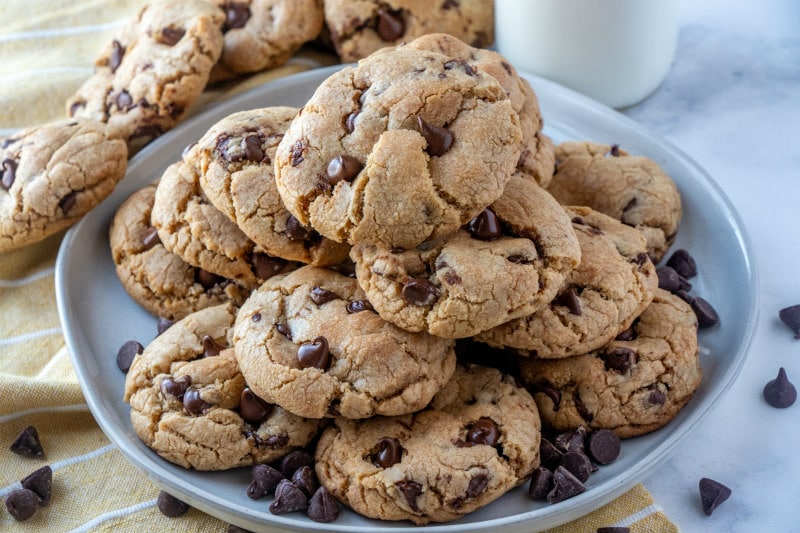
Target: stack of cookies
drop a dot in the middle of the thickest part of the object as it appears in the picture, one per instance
(342, 278)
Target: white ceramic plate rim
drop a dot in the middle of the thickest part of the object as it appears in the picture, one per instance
(573, 113)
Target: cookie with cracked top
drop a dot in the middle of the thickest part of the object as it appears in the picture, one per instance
(478, 438)
(509, 261)
(191, 405)
(153, 70)
(309, 342)
(404, 147)
(632, 189)
(632, 386)
(612, 286)
(53, 174)
(234, 160)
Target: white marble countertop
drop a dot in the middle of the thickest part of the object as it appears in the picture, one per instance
(732, 102)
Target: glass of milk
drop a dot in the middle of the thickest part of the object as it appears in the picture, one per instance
(615, 51)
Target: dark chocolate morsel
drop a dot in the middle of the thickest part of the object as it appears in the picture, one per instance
(350, 121)
(193, 403)
(314, 354)
(549, 454)
(578, 463)
(170, 36)
(305, 479)
(388, 452)
(342, 168)
(68, 202)
(439, 139)
(211, 347)
(252, 408)
(541, 483)
(712, 493)
(356, 306)
(603, 446)
(626, 335)
(391, 25)
(410, 489)
(780, 392)
(295, 231)
(127, 353)
(175, 387)
(294, 460)
(571, 441)
(252, 148)
(236, 15)
(323, 507)
(656, 397)
(613, 151)
(791, 317)
(170, 505)
(150, 238)
(263, 480)
(206, 279)
(569, 299)
(117, 53)
(322, 296)
(477, 485)
(565, 486)
(288, 498)
(162, 325)
(484, 431)
(8, 171)
(420, 291)
(668, 279)
(706, 315)
(28, 443)
(485, 226)
(21, 504)
(683, 263)
(266, 266)
(40, 481)
(618, 358)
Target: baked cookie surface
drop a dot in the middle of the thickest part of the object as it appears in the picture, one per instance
(509, 261)
(51, 175)
(404, 147)
(479, 438)
(309, 342)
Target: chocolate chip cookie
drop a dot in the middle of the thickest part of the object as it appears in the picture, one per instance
(310, 342)
(51, 175)
(634, 385)
(507, 262)
(360, 27)
(478, 439)
(158, 280)
(404, 147)
(613, 285)
(190, 227)
(234, 164)
(191, 405)
(153, 70)
(633, 189)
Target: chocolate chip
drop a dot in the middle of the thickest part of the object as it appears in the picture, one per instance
(265, 266)
(342, 168)
(295, 231)
(484, 431)
(613, 529)
(193, 403)
(477, 485)
(572, 441)
(21, 504)
(450, 4)
(124, 100)
(322, 296)
(388, 452)
(171, 506)
(305, 479)
(210, 347)
(40, 481)
(283, 329)
(162, 325)
(455, 63)
(150, 238)
(618, 358)
(583, 411)
(28, 443)
(683, 263)
(541, 483)
(206, 279)
(603, 446)
(288, 498)
(410, 489)
(549, 454)
(127, 353)
(294, 460)
(420, 292)
(236, 15)
(780, 392)
(323, 507)
(117, 53)
(314, 354)
(68, 202)
(8, 172)
(683, 284)
(791, 317)
(712, 493)
(486, 226)
(170, 36)
(439, 139)
(148, 131)
(668, 279)
(656, 397)
(350, 122)
(252, 148)
(273, 441)
(297, 149)
(391, 25)
(569, 299)
(356, 306)
(613, 151)
(685, 296)
(706, 315)
(520, 259)
(552, 393)
(626, 335)
(565, 486)
(263, 481)
(630, 205)
(252, 408)
(577, 463)
(175, 387)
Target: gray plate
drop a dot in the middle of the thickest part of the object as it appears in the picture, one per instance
(98, 316)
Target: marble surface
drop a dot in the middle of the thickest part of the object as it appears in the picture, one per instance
(732, 102)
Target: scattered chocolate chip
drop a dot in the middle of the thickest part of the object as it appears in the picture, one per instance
(68, 202)
(791, 317)
(8, 171)
(21, 504)
(298, 149)
(583, 411)
(175, 387)
(712, 493)
(578, 463)
(283, 329)
(314, 354)
(162, 325)
(206, 279)
(265, 266)
(171, 506)
(305, 479)
(410, 489)
(210, 347)
(150, 238)
(322, 296)
(295, 231)
(565, 486)
(613, 529)
(630, 205)
(627, 335)
(356, 306)
(618, 358)
(603, 446)
(552, 393)
(571, 441)
(549, 454)
(117, 53)
(685, 296)
(288, 498)
(439, 139)
(252, 408)
(451, 4)
(780, 392)
(683, 263)
(656, 397)
(706, 315)
(520, 259)
(613, 151)
(170, 36)
(124, 100)
(127, 353)
(388, 452)
(668, 279)
(350, 121)
(484, 431)
(273, 441)
(28, 443)
(455, 63)
(391, 25)
(294, 460)
(193, 403)
(569, 299)
(342, 168)
(40, 481)
(323, 507)
(263, 481)
(541, 483)
(420, 291)
(683, 284)
(147, 131)
(477, 485)
(486, 226)
(236, 15)
(252, 148)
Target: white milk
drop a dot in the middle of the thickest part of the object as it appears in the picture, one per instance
(615, 51)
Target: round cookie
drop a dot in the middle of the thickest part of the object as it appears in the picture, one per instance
(602, 296)
(631, 386)
(309, 342)
(360, 27)
(153, 70)
(479, 438)
(404, 147)
(263, 34)
(158, 280)
(234, 163)
(633, 189)
(190, 227)
(537, 156)
(191, 405)
(51, 175)
(508, 262)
